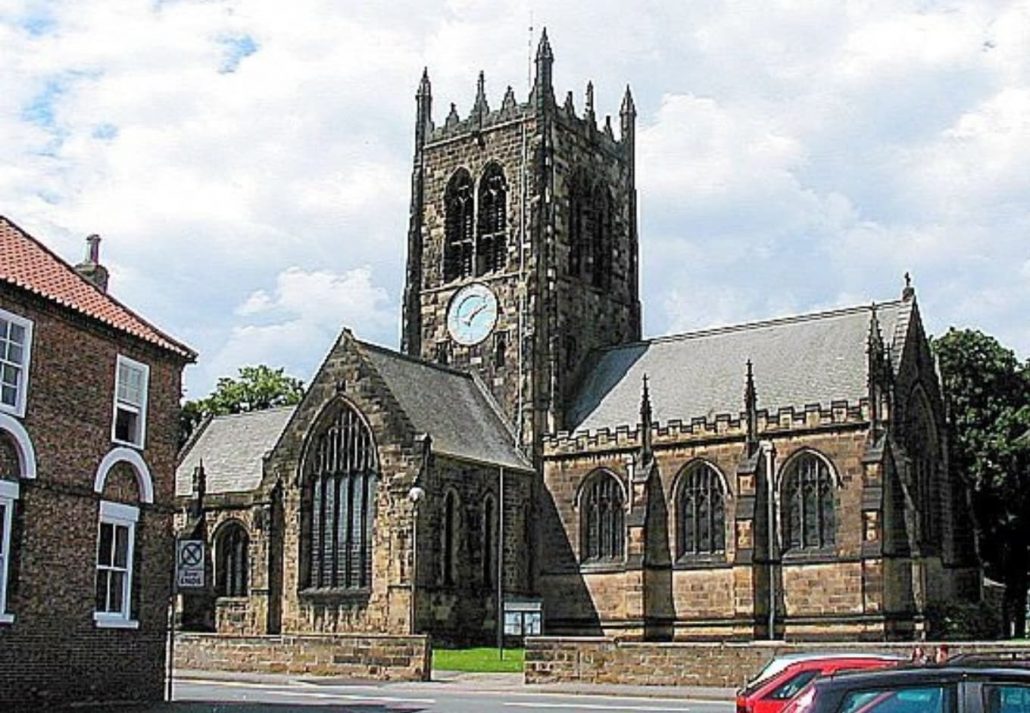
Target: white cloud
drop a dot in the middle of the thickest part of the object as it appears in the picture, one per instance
(791, 155)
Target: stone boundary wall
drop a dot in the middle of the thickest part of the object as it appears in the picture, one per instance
(361, 656)
(605, 660)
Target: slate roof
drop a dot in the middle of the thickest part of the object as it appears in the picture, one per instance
(806, 359)
(30, 265)
(451, 406)
(232, 448)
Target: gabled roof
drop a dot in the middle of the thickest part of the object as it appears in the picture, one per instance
(30, 265)
(807, 359)
(455, 409)
(232, 448)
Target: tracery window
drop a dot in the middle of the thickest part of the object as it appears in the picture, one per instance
(449, 545)
(808, 499)
(701, 528)
(459, 240)
(232, 561)
(602, 519)
(342, 474)
(491, 239)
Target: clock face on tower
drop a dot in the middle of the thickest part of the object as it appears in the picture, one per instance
(472, 314)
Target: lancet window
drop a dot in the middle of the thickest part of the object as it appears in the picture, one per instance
(602, 519)
(459, 235)
(808, 499)
(491, 239)
(701, 528)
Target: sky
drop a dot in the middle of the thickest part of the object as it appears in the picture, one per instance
(247, 162)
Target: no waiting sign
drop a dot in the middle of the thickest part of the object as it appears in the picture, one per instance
(189, 564)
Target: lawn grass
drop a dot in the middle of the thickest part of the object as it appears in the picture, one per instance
(479, 660)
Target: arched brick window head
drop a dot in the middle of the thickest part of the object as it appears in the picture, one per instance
(808, 500)
(701, 507)
(603, 519)
(232, 561)
(342, 474)
(458, 226)
(492, 239)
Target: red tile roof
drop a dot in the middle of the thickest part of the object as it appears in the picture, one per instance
(27, 263)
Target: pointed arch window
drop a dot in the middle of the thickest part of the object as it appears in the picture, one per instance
(491, 234)
(449, 545)
(232, 561)
(580, 222)
(602, 519)
(489, 539)
(701, 529)
(459, 240)
(808, 498)
(923, 449)
(601, 239)
(339, 509)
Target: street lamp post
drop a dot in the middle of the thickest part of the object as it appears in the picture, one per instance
(415, 495)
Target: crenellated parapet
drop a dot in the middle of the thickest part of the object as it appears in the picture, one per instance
(725, 427)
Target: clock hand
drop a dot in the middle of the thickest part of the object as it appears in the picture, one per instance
(472, 316)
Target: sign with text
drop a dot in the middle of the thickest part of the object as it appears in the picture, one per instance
(189, 564)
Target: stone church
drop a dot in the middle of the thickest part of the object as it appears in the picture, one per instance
(785, 478)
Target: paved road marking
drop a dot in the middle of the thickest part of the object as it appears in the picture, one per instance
(274, 688)
(598, 707)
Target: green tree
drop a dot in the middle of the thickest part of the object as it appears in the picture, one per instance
(256, 388)
(988, 392)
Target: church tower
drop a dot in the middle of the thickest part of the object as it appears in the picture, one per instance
(522, 244)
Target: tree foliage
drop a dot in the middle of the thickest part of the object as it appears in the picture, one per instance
(255, 388)
(988, 392)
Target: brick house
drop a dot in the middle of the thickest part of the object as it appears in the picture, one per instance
(784, 478)
(89, 405)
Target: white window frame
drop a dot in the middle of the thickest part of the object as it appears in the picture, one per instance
(9, 492)
(121, 516)
(142, 412)
(23, 387)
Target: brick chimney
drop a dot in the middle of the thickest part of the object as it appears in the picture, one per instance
(90, 268)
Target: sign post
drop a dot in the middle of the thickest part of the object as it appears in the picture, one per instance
(188, 574)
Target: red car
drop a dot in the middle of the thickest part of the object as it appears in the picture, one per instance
(781, 680)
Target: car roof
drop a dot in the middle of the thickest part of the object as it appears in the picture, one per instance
(920, 674)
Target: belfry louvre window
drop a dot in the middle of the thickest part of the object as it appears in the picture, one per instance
(232, 561)
(602, 519)
(342, 473)
(600, 244)
(459, 223)
(701, 528)
(491, 239)
(808, 499)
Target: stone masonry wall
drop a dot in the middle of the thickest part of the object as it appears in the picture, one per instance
(382, 657)
(583, 660)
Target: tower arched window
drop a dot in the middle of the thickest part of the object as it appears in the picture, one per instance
(459, 233)
(580, 223)
(602, 519)
(491, 234)
(449, 545)
(601, 239)
(808, 499)
(232, 561)
(341, 473)
(701, 528)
